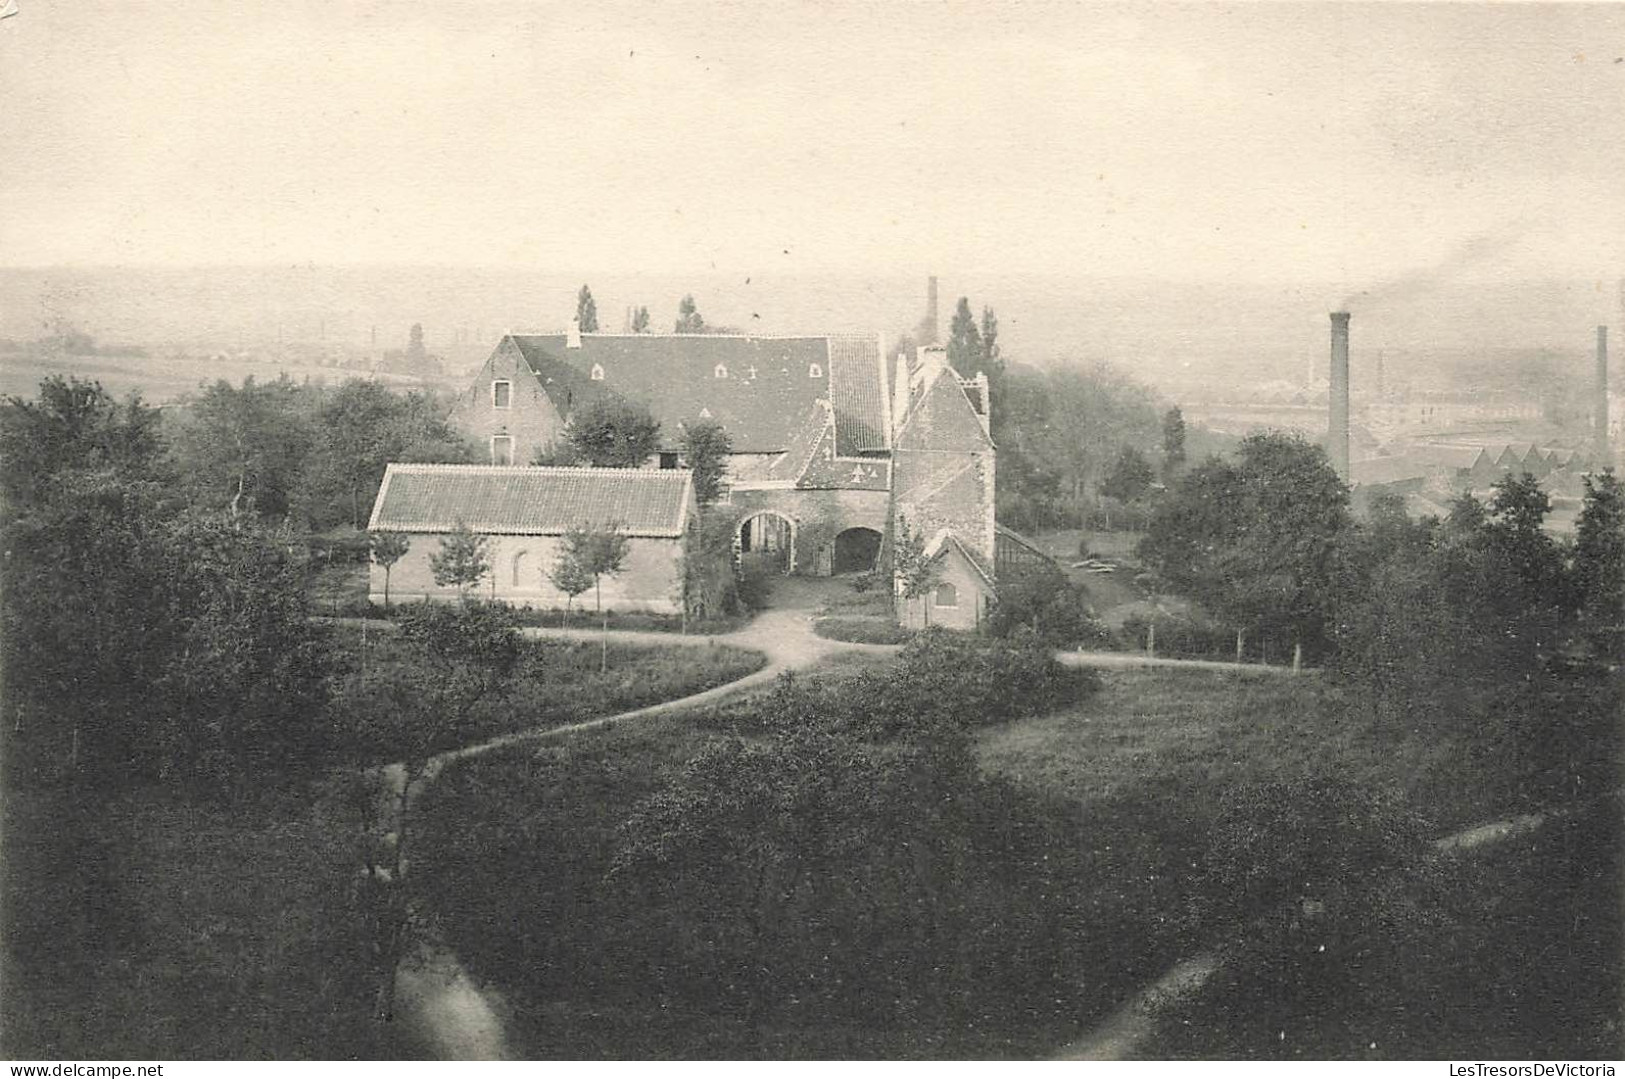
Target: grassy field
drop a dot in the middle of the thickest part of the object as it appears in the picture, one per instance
(1176, 736)
(1522, 958)
(1502, 948)
(559, 681)
(143, 925)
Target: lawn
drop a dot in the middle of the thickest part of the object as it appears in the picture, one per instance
(1149, 760)
(559, 681)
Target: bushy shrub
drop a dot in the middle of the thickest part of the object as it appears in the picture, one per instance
(943, 685)
(1045, 603)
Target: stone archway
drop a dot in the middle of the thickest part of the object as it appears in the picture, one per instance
(768, 537)
(857, 550)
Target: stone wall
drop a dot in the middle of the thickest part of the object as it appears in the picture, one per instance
(651, 581)
(816, 517)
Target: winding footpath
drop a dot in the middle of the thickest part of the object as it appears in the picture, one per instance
(460, 1020)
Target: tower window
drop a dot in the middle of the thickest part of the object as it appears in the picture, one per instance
(501, 393)
(502, 449)
(597, 372)
(720, 372)
(815, 371)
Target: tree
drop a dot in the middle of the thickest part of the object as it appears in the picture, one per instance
(359, 429)
(915, 573)
(570, 574)
(965, 353)
(706, 447)
(992, 357)
(74, 425)
(1173, 443)
(1130, 477)
(387, 549)
(586, 311)
(1599, 561)
(640, 320)
(464, 559)
(688, 317)
(246, 448)
(614, 433)
(593, 554)
(1255, 541)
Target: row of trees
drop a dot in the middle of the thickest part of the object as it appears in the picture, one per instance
(689, 319)
(311, 455)
(1416, 612)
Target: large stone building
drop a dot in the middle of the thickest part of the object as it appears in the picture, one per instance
(834, 448)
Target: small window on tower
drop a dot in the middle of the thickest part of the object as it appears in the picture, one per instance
(720, 372)
(668, 460)
(502, 449)
(815, 371)
(501, 393)
(597, 373)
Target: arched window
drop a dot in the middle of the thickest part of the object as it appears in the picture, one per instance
(814, 371)
(721, 371)
(598, 372)
(520, 560)
(947, 595)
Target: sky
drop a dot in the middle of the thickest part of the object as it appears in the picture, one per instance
(1344, 143)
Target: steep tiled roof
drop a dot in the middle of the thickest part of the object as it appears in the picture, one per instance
(768, 383)
(857, 387)
(531, 501)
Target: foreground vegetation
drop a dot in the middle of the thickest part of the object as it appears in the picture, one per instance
(823, 872)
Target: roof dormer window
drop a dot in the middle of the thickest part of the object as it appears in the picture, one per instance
(815, 371)
(598, 372)
(501, 393)
(720, 372)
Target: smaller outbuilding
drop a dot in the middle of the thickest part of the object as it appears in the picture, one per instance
(524, 514)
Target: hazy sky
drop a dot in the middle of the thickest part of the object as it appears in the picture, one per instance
(1331, 142)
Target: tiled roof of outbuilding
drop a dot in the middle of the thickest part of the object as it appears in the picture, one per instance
(503, 500)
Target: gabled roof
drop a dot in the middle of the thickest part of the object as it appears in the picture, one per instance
(944, 540)
(942, 417)
(504, 500)
(758, 388)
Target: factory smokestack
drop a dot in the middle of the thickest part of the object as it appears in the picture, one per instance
(927, 332)
(1599, 416)
(1337, 425)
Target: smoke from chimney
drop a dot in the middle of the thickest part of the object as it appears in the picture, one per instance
(1599, 418)
(1337, 425)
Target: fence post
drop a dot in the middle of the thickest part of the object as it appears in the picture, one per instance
(1151, 640)
(1297, 657)
(1239, 638)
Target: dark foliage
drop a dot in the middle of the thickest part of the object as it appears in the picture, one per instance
(1043, 601)
(614, 433)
